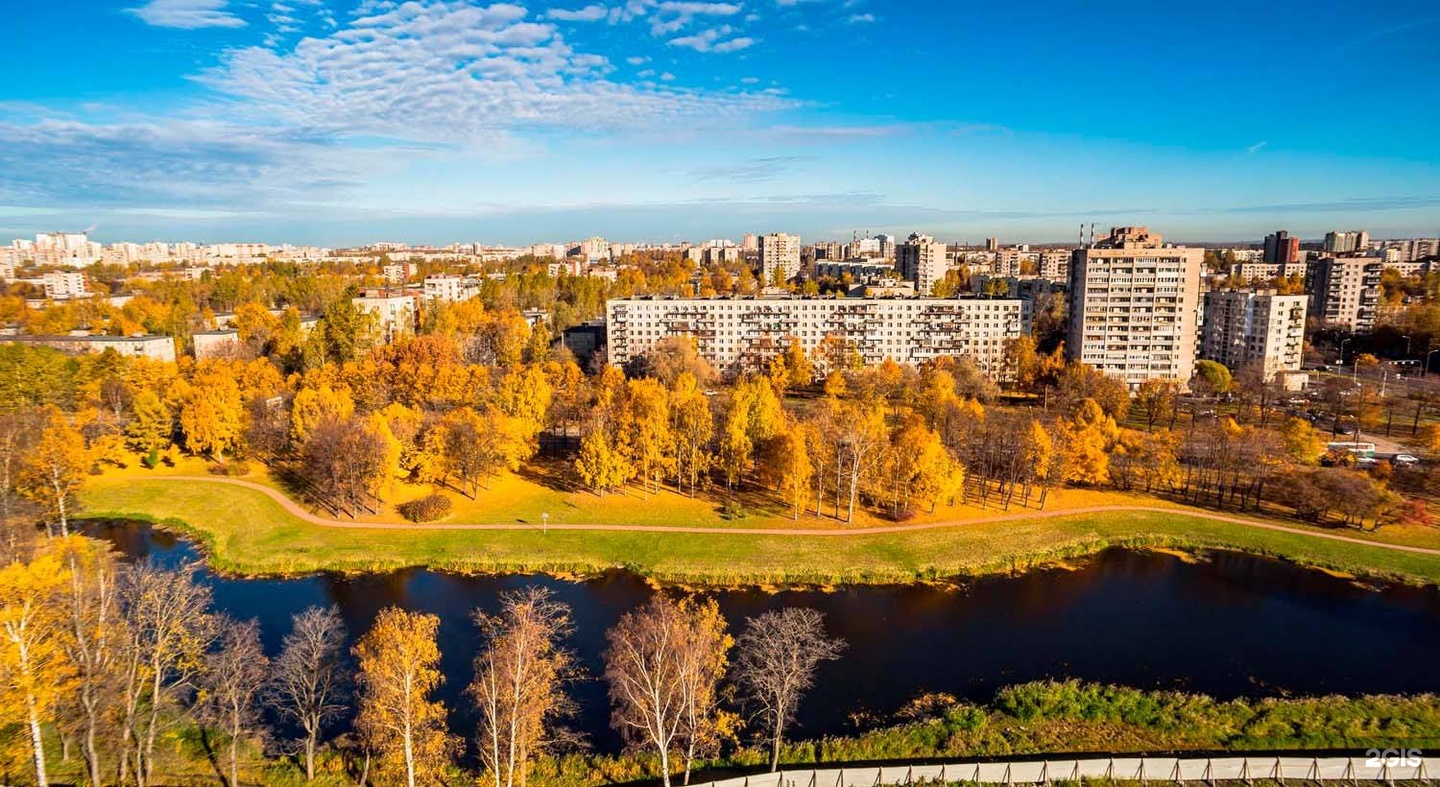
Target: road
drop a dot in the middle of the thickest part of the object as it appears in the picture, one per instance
(298, 511)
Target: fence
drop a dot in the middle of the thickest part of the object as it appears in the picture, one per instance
(1138, 769)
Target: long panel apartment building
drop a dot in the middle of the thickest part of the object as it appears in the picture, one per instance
(1135, 307)
(735, 334)
(1345, 291)
(1255, 326)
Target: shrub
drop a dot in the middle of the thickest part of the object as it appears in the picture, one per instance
(425, 509)
(151, 460)
(232, 469)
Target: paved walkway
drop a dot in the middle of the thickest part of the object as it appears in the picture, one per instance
(298, 511)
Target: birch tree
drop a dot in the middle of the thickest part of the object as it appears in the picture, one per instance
(777, 656)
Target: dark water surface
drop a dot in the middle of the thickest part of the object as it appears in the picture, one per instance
(1229, 626)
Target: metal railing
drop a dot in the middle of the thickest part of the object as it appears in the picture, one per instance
(1136, 769)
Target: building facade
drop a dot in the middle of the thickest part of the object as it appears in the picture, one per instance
(739, 334)
(1135, 307)
(921, 260)
(1281, 249)
(157, 348)
(780, 252)
(1345, 291)
(1339, 242)
(395, 314)
(1255, 326)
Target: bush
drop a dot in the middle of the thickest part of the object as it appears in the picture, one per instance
(732, 509)
(231, 469)
(151, 460)
(426, 509)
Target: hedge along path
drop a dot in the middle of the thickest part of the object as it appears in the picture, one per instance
(300, 512)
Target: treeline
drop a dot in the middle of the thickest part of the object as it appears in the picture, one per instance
(111, 660)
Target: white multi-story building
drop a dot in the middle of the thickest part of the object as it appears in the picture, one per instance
(64, 285)
(1135, 306)
(779, 251)
(396, 313)
(1345, 291)
(1254, 326)
(739, 334)
(450, 289)
(1345, 242)
(921, 260)
(158, 348)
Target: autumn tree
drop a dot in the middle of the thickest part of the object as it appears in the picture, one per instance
(645, 421)
(310, 684)
(313, 407)
(663, 663)
(1211, 378)
(1302, 444)
(600, 465)
(235, 673)
(704, 656)
(1156, 400)
(93, 643)
(211, 414)
(691, 427)
(35, 671)
(776, 658)
(54, 471)
(786, 464)
(398, 660)
(344, 463)
(1085, 441)
(519, 681)
(152, 425)
(860, 438)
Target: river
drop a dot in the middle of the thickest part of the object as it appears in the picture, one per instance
(1228, 625)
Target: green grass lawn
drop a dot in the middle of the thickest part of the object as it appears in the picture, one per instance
(247, 533)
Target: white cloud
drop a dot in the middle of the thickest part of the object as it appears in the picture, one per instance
(447, 71)
(667, 77)
(1257, 147)
(857, 19)
(671, 16)
(187, 14)
(637, 60)
(590, 13)
(715, 39)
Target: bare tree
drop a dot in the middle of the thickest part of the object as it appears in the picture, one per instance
(309, 684)
(777, 656)
(94, 647)
(703, 657)
(519, 675)
(235, 674)
(168, 629)
(642, 665)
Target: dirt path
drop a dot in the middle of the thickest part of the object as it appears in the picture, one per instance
(298, 511)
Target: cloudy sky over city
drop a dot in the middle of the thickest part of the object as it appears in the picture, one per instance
(337, 122)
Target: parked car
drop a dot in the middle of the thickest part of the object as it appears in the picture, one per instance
(1405, 460)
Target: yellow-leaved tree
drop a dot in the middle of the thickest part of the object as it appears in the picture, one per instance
(53, 472)
(399, 668)
(34, 669)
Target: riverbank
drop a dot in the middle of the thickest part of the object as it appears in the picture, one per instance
(247, 532)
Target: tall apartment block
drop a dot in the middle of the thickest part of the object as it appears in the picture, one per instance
(1345, 291)
(739, 334)
(1282, 250)
(921, 260)
(1346, 242)
(1135, 306)
(779, 251)
(1254, 326)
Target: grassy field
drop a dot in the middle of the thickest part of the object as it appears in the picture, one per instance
(247, 533)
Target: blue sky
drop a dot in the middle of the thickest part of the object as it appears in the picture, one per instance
(345, 121)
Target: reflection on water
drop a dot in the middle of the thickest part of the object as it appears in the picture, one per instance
(1229, 626)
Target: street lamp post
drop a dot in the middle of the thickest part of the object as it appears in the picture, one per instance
(1407, 345)
(1427, 361)
(1343, 342)
(545, 523)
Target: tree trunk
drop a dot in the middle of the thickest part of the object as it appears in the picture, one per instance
(37, 742)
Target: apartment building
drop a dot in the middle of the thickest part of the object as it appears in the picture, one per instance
(779, 251)
(1345, 291)
(1281, 249)
(158, 348)
(737, 334)
(1135, 306)
(395, 312)
(1344, 242)
(1255, 326)
(64, 285)
(921, 260)
(450, 289)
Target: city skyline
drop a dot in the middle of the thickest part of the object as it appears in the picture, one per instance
(340, 123)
